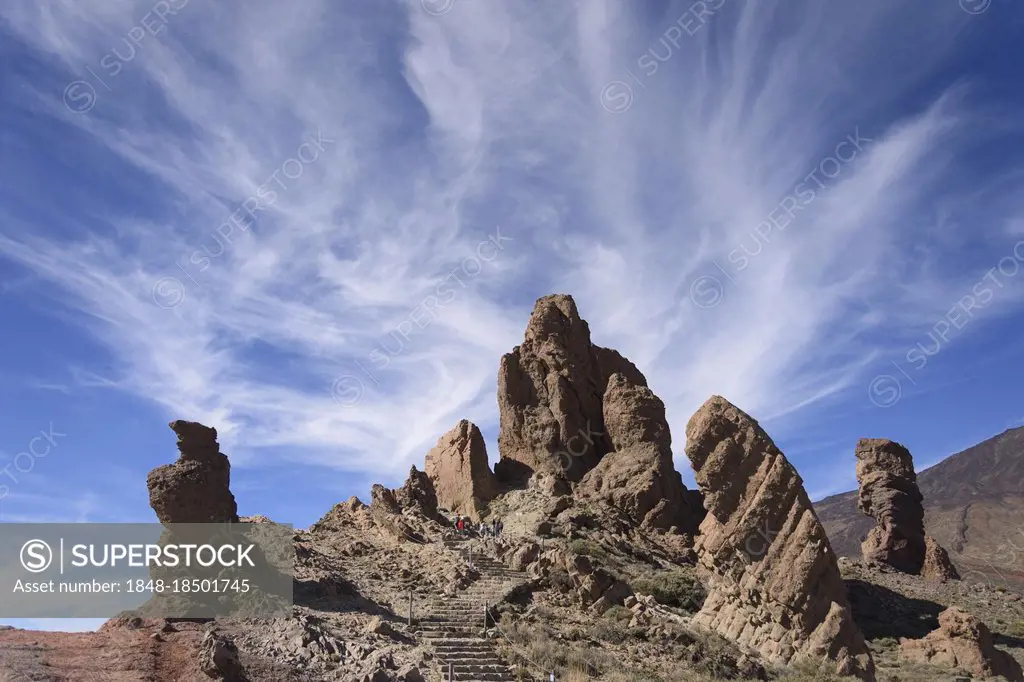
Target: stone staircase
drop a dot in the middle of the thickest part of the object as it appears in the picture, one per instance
(456, 624)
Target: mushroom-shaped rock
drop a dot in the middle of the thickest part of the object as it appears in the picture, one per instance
(774, 585)
(196, 488)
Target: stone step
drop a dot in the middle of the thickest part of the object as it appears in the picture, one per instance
(470, 625)
(484, 676)
(449, 633)
(461, 662)
(474, 668)
(434, 626)
(443, 644)
(469, 655)
(462, 644)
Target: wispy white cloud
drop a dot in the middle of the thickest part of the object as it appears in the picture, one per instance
(444, 127)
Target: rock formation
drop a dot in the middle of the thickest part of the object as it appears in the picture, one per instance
(773, 581)
(457, 466)
(218, 658)
(937, 564)
(196, 488)
(571, 411)
(962, 642)
(888, 492)
(549, 394)
(418, 493)
(383, 500)
(638, 477)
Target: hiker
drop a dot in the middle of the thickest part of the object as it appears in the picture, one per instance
(501, 527)
(459, 525)
(494, 527)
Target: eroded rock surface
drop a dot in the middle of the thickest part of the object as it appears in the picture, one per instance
(962, 642)
(383, 500)
(549, 395)
(573, 412)
(218, 658)
(196, 488)
(638, 477)
(457, 466)
(418, 493)
(888, 492)
(774, 585)
(937, 564)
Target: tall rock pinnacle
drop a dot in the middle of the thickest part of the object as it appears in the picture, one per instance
(457, 467)
(774, 581)
(888, 492)
(550, 391)
(580, 413)
(196, 488)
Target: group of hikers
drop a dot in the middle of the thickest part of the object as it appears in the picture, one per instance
(464, 526)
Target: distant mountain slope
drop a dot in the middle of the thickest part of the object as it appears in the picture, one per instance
(974, 506)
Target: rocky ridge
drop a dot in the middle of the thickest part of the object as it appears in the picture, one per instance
(609, 567)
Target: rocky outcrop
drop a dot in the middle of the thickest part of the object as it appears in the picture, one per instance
(196, 488)
(549, 395)
(964, 643)
(937, 564)
(418, 493)
(774, 585)
(638, 477)
(218, 658)
(383, 500)
(571, 411)
(458, 469)
(887, 491)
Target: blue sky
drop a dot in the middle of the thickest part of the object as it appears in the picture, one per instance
(317, 227)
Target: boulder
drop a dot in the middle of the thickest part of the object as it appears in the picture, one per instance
(638, 477)
(526, 554)
(773, 581)
(383, 500)
(379, 626)
(458, 469)
(410, 673)
(964, 643)
(218, 658)
(196, 488)
(937, 564)
(888, 492)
